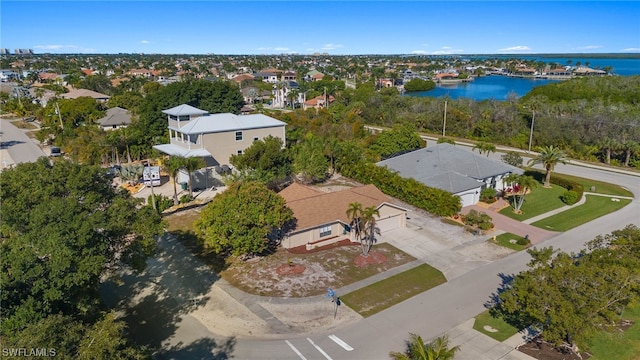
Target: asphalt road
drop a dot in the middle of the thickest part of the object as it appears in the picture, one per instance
(19, 146)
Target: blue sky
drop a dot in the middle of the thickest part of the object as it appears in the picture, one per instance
(334, 27)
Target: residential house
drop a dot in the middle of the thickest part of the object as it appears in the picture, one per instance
(320, 101)
(314, 75)
(453, 169)
(289, 76)
(215, 137)
(267, 76)
(74, 94)
(321, 217)
(585, 71)
(238, 79)
(116, 118)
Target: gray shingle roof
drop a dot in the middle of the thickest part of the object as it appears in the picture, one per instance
(115, 116)
(447, 167)
(228, 122)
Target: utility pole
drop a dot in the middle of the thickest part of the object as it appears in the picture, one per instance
(533, 120)
(444, 122)
(59, 116)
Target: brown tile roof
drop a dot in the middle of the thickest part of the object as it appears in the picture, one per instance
(313, 207)
(84, 92)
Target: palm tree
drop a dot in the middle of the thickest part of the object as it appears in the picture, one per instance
(354, 212)
(192, 164)
(369, 220)
(630, 148)
(549, 156)
(608, 145)
(438, 349)
(485, 147)
(526, 183)
(172, 166)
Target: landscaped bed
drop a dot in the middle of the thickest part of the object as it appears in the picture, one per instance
(538, 201)
(511, 241)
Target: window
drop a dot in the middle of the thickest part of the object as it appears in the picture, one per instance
(238, 135)
(325, 231)
(256, 138)
(239, 152)
(184, 118)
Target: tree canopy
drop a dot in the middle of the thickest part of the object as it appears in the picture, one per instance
(64, 226)
(266, 159)
(239, 220)
(419, 85)
(568, 296)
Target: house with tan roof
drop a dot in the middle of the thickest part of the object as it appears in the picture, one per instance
(74, 94)
(318, 102)
(321, 217)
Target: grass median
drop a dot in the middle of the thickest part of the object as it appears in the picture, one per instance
(511, 241)
(393, 290)
(494, 327)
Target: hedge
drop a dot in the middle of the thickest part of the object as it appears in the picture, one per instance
(411, 191)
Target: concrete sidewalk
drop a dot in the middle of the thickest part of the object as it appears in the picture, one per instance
(475, 345)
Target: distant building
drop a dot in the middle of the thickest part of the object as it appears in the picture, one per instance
(116, 118)
(4, 51)
(85, 93)
(24, 52)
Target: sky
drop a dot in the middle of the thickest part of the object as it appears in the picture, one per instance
(333, 27)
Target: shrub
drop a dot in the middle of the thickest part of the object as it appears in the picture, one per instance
(162, 202)
(185, 198)
(523, 241)
(512, 158)
(479, 219)
(569, 197)
(488, 195)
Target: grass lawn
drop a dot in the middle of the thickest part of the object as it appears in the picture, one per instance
(539, 201)
(593, 208)
(393, 290)
(500, 330)
(619, 346)
(600, 187)
(23, 125)
(505, 240)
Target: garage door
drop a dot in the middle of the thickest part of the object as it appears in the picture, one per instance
(467, 199)
(391, 223)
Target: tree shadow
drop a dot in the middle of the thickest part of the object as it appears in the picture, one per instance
(154, 301)
(494, 298)
(204, 348)
(8, 144)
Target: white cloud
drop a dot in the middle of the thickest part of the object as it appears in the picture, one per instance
(515, 48)
(145, 42)
(419, 52)
(447, 50)
(64, 48)
(281, 49)
(331, 46)
(631, 49)
(588, 47)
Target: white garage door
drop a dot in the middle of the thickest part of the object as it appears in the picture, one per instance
(391, 223)
(467, 199)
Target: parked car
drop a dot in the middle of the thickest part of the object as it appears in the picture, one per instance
(55, 151)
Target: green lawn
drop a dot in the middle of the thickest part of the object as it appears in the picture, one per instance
(600, 187)
(539, 201)
(393, 290)
(500, 330)
(505, 240)
(593, 208)
(619, 346)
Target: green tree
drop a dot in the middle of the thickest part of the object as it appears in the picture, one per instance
(354, 213)
(417, 349)
(239, 220)
(266, 159)
(568, 297)
(525, 183)
(63, 227)
(97, 83)
(485, 147)
(309, 163)
(608, 145)
(419, 85)
(191, 164)
(512, 158)
(400, 139)
(630, 148)
(549, 156)
(369, 215)
(173, 165)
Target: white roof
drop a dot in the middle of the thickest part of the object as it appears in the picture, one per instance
(176, 150)
(214, 123)
(184, 109)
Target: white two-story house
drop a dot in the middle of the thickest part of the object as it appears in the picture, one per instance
(215, 137)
